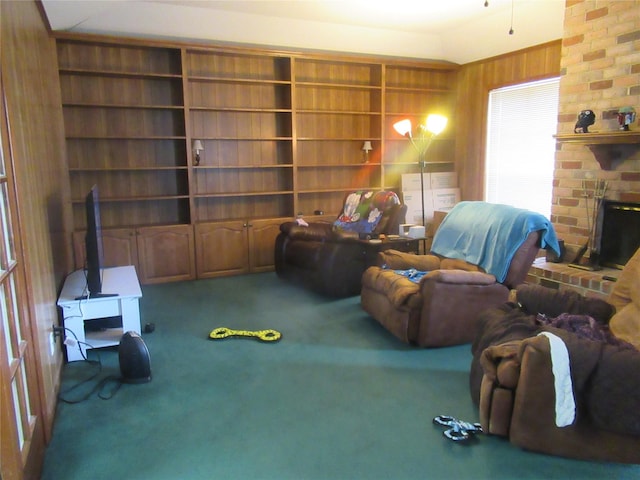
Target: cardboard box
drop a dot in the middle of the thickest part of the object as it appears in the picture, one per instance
(417, 231)
(414, 206)
(442, 199)
(403, 229)
(444, 180)
(411, 181)
(445, 198)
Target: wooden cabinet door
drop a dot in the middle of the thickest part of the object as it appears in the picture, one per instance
(222, 248)
(165, 254)
(119, 245)
(262, 237)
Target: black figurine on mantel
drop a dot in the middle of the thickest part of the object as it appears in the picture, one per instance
(585, 118)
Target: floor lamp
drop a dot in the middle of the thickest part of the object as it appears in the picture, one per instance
(434, 125)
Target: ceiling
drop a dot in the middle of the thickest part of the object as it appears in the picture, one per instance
(459, 31)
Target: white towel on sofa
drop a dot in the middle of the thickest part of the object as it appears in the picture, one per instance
(560, 365)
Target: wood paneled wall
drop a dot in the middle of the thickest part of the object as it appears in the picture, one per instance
(29, 70)
(475, 80)
(30, 80)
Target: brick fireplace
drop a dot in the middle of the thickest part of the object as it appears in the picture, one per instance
(600, 70)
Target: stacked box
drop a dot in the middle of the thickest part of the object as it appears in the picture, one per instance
(411, 182)
(441, 193)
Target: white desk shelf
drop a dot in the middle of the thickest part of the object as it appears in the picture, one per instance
(121, 281)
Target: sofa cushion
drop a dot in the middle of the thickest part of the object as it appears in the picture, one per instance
(614, 394)
(521, 261)
(625, 324)
(623, 289)
(457, 264)
(461, 277)
(539, 299)
(397, 260)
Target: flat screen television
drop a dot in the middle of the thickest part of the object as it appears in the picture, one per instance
(93, 246)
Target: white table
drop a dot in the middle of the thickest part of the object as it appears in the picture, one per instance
(121, 281)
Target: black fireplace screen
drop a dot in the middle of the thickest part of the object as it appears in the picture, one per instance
(619, 234)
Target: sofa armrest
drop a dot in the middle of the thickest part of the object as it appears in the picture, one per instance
(501, 367)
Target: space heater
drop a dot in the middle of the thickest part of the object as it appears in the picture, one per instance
(135, 365)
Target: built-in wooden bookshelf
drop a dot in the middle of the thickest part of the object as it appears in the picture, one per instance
(413, 92)
(125, 131)
(338, 106)
(240, 108)
(282, 135)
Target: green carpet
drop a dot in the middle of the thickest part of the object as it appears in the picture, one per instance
(337, 398)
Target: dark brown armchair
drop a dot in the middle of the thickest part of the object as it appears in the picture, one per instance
(584, 407)
(330, 258)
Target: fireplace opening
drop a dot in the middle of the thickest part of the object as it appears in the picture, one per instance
(619, 233)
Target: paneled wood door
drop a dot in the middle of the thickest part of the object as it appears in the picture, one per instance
(21, 434)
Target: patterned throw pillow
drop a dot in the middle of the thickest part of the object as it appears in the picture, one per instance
(363, 210)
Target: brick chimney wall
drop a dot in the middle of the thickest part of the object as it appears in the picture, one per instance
(600, 68)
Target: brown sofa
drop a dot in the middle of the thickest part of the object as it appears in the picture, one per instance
(330, 258)
(513, 381)
(441, 309)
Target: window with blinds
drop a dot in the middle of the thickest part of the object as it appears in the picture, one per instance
(520, 145)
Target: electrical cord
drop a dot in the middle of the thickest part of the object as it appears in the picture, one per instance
(101, 385)
(98, 387)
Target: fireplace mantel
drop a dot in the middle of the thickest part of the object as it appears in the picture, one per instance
(606, 146)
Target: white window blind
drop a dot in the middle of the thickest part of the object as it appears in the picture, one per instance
(520, 145)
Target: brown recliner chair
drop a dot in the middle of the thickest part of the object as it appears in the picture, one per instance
(330, 258)
(596, 413)
(479, 252)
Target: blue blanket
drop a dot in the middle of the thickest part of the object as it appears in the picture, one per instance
(412, 274)
(488, 235)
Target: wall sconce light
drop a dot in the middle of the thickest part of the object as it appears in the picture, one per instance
(366, 148)
(434, 126)
(197, 148)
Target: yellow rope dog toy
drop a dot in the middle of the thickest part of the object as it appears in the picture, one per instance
(263, 335)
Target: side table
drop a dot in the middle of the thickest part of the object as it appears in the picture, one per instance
(120, 281)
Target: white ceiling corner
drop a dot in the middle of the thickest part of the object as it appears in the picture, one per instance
(459, 31)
